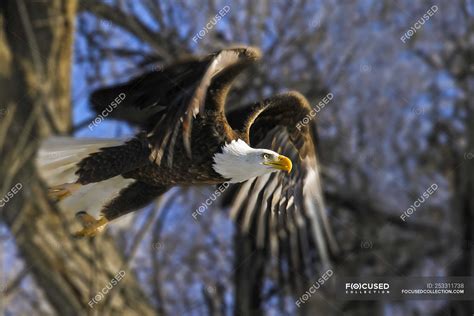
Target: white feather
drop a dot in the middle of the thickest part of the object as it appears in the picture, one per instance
(239, 162)
(220, 62)
(58, 156)
(316, 212)
(57, 163)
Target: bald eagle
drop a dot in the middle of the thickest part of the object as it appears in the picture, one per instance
(187, 138)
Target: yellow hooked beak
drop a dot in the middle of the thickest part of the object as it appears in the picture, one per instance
(281, 163)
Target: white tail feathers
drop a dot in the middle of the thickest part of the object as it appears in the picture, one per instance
(57, 164)
(58, 157)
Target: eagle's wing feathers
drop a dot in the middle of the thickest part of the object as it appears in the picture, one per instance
(131, 198)
(285, 214)
(144, 98)
(165, 102)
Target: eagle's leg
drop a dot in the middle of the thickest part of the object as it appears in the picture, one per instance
(91, 225)
(130, 199)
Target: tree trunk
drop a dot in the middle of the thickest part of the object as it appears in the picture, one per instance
(36, 41)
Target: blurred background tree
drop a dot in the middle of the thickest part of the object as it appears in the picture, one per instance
(402, 119)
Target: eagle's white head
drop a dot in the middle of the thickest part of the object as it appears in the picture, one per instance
(240, 162)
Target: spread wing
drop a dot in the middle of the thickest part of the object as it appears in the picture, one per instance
(284, 214)
(164, 102)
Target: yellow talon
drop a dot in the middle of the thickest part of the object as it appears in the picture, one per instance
(92, 227)
(62, 191)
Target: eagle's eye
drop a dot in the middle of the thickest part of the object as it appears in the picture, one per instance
(266, 156)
